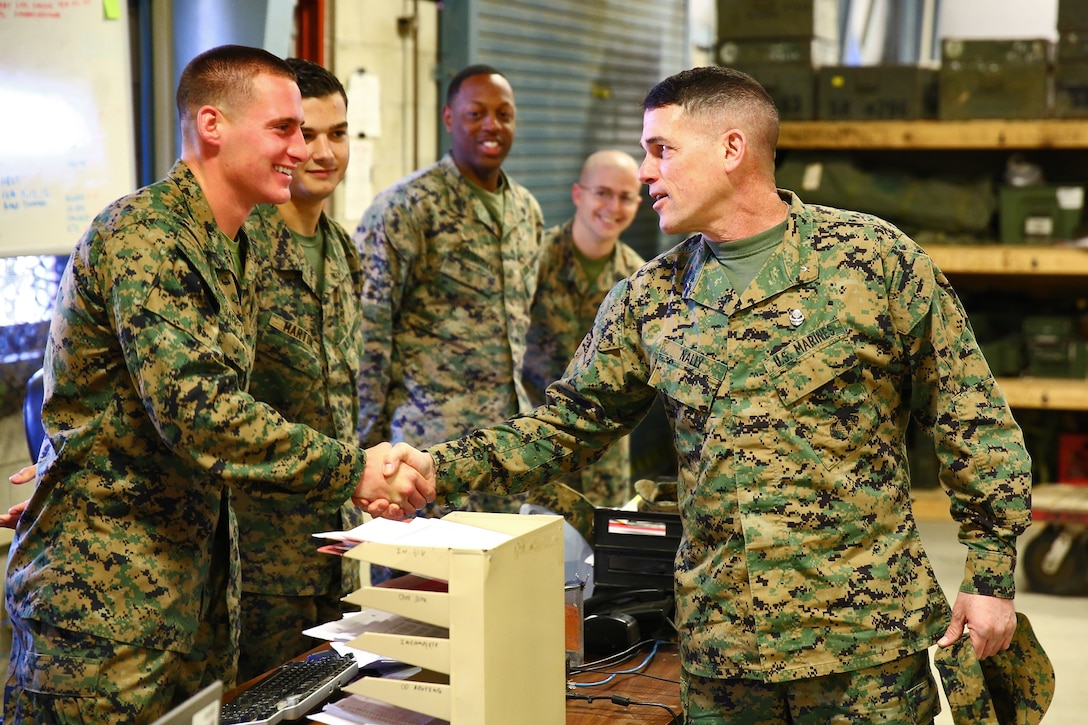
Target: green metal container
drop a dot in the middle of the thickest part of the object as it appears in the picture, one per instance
(1053, 348)
(883, 92)
(1072, 46)
(1072, 15)
(1039, 214)
(792, 87)
(778, 19)
(813, 52)
(994, 79)
(1071, 89)
(1005, 355)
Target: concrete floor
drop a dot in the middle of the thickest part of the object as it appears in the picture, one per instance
(1061, 623)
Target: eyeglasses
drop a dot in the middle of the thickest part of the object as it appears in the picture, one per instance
(606, 195)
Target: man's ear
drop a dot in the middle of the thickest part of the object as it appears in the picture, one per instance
(208, 121)
(734, 145)
(447, 117)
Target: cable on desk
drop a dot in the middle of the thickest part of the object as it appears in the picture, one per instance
(626, 702)
(612, 676)
(618, 657)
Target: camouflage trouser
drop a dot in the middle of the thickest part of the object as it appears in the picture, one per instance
(70, 678)
(272, 628)
(901, 692)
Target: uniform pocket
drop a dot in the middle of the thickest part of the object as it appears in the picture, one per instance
(59, 675)
(688, 382)
(821, 383)
(467, 273)
(923, 700)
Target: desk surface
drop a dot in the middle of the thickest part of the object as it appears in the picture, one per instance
(658, 683)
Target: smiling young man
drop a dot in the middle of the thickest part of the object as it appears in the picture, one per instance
(791, 344)
(122, 580)
(306, 367)
(449, 255)
(580, 262)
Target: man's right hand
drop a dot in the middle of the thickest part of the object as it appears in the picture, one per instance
(24, 475)
(391, 490)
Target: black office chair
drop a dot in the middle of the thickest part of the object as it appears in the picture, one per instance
(32, 413)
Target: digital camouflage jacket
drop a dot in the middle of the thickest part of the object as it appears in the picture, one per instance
(306, 367)
(446, 300)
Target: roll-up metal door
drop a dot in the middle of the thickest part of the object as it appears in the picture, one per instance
(579, 69)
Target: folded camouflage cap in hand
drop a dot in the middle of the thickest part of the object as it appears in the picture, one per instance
(1013, 687)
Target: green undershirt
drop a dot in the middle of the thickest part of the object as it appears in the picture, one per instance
(314, 249)
(591, 267)
(744, 258)
(493, 201)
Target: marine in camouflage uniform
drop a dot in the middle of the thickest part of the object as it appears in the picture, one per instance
(449, 256)
(123, 574)
(800, 557)
(789, 383)
(149, 427)
(563, 310)
(306, 367)
(445, 307)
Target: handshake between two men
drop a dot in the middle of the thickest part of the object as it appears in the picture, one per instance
(398, 481)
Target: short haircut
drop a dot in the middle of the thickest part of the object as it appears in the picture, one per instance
(717, 91)
(479, 69)
(315, 81)
(223, 77)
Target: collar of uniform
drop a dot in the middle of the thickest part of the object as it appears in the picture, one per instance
(797, 251)
(215, 249)
(473, 204)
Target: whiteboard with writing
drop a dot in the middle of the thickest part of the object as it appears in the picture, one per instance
(67, 144)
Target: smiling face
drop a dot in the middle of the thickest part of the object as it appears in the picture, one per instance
(262, 142)
(684, 170)
(606, 198)
(325, 130)
(481, 120)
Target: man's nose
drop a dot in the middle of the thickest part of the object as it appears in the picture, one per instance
(320, 148)
(647, 170)
(297, 149)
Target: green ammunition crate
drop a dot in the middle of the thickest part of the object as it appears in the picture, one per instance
(994, 79)
(1071, 89)
(808, 51)
(1005, 355)
(778, 19)
(1072, 15)
(1039, 214)
(1053, 348)
(792, 87)
(882, 92)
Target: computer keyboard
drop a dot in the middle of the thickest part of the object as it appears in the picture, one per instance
(294, 689)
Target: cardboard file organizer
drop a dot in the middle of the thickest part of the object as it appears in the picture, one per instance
(503, 661)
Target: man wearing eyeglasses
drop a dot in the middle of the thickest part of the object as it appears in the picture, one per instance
(581, 260)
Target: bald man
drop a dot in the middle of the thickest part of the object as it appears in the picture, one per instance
(580, 262)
